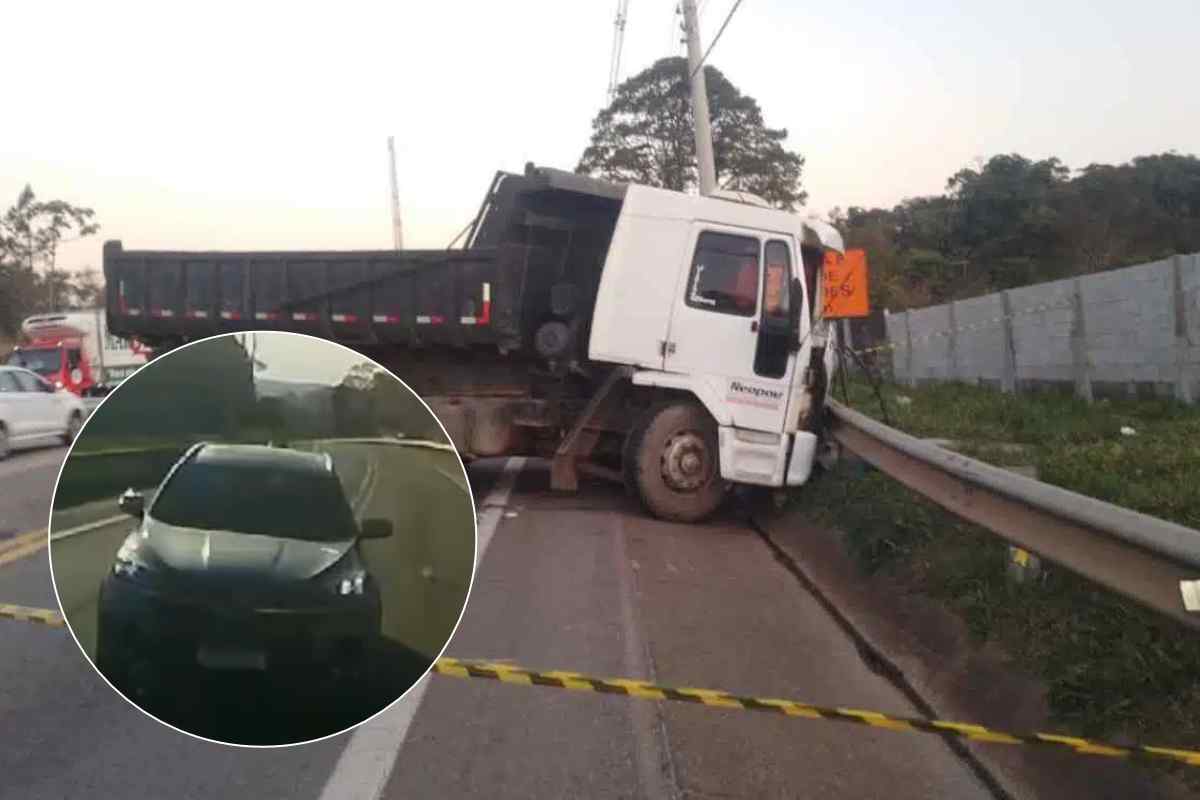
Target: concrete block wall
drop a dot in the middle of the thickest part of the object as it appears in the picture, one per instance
(982, 343)
(1130, 331)
(1043, 323)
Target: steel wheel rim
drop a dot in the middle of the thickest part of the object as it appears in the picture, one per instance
(685, 463)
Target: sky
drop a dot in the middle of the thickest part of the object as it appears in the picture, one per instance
(224, 125)
(292, 357)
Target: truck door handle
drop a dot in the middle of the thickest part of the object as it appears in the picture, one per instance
(754, 326)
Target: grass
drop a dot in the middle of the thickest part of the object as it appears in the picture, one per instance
(1073, 444)
(1111, 668)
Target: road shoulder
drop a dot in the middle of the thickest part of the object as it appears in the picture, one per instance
(961, 680)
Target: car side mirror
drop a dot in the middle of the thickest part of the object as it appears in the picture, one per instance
(375, 529)
(132, 503)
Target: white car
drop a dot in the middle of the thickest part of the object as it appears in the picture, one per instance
(33, 413)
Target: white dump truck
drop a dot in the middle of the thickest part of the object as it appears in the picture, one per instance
(670, 341)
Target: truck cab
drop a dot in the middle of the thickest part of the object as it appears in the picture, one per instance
(61, 361)
(74, 351)
(714, 297)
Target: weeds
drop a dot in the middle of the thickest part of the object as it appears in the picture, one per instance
(1110, 667)
(1073, 444)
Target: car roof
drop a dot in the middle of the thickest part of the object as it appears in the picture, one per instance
(257, 455)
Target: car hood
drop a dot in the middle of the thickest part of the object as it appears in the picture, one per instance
(214, 553)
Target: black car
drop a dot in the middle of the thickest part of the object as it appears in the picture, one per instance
(247, 561)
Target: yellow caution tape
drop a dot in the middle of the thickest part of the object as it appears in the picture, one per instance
(44, 616)
(509, 673)
(576, 681)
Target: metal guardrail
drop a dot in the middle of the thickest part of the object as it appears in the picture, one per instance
(1149, 560)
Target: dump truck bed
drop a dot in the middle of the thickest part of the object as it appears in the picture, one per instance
(406, 297)
(534, 253)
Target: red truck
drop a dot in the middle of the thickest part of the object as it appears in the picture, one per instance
(73, 351)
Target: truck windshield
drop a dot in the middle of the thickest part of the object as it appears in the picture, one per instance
(258, 500)
(45, 361)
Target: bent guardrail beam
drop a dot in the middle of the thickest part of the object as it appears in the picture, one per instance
(1144, 558)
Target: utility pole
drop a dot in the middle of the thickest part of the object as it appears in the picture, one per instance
(397, 234)
(704, 148)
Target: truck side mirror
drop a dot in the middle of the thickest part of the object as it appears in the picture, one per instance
(132, 503)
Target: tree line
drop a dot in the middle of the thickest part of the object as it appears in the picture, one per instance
(209, 388)
(1012, 221)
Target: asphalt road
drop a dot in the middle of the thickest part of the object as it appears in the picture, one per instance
(583, 582)
(26, 481)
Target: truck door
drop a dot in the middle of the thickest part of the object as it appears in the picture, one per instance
(729, 328)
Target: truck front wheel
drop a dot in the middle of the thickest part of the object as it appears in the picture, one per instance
(672, 462)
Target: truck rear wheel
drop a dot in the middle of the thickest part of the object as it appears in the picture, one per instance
(672, 462)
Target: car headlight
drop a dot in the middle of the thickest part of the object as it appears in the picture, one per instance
(353, 583)
(129, 562)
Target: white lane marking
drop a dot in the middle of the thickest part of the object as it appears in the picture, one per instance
(91, 526)
(455, 479)
(365, 765)
(366, 489)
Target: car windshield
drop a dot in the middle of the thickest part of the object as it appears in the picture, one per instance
(43, 362)
(256, 500)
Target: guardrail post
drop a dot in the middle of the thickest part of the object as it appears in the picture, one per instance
(1008, 369)
(952, 344)
(1079, 354)
(910, 376)
(1183, 344)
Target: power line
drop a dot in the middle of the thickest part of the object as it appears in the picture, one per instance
(716, 38)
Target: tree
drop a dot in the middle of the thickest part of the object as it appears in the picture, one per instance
(30, 232)
(645, 136)
(88, 289)
(1007, 215)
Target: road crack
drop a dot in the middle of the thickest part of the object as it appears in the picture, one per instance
(876, 660)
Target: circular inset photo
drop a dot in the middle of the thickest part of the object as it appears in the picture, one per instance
(262, 538)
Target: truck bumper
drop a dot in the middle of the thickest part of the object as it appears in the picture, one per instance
(761, 459)
(804, 453)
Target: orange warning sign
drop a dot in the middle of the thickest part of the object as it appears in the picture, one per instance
(845, 282)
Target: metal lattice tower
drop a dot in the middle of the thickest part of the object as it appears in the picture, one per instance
(614, 61)
(397, 232)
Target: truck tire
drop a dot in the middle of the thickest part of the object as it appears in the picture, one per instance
(672, 463)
